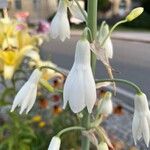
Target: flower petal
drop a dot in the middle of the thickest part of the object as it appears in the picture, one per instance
(90, 89)
(67, 87)
(77, 95)
(64, 27)
(28, 97)
(145, 131)
(32, 100)
(55, 143)
(141, 103)
(76, 12)
(34, 55)
(35, 76)
(136, 130)
(109, 48)
(54, 32)
(8, 71)
(20, 96)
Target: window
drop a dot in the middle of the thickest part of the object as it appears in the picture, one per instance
(18, 4)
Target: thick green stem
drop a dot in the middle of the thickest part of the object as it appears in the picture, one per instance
(92, 24)
(86, 124)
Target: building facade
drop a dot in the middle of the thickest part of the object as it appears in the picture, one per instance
(37, 9)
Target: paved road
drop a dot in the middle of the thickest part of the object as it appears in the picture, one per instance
(131, 59)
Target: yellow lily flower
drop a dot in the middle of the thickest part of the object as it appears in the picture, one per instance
(10, 61)
(15, 43)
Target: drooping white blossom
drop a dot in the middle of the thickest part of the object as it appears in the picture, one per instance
(79, 88)
(141, 119)
(60, 27)
(60, 24)
(106, 106)
(55, 143)
(26, 96)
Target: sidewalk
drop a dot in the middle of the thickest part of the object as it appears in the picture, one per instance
(137, 36)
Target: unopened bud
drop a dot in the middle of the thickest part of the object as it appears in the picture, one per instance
(135, 13)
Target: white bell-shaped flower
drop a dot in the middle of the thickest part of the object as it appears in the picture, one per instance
(141, 119)
(55, 143)
(106, 106)
(26, 96)
(79, 88)
(102, 34)
(60, 24)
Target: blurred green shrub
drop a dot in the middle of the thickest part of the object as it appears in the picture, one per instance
(16, 134)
